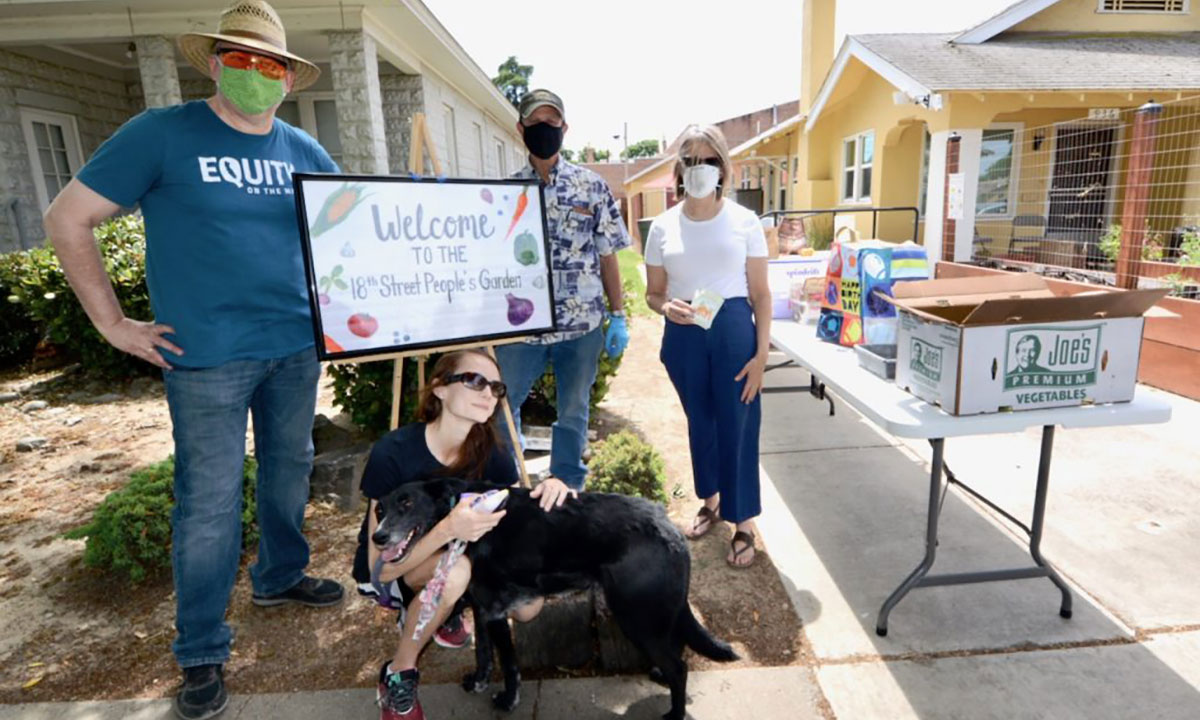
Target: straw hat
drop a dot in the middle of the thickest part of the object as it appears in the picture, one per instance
(253, 24)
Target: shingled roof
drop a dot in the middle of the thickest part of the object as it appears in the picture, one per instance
(1040, 61)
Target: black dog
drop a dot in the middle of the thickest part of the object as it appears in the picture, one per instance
(625, 545)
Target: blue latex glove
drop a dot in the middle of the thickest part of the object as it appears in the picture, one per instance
(617, 335)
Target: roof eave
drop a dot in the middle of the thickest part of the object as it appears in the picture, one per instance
(851, 47)
(1002, 21)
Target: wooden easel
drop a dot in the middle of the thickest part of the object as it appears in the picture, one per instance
(419, 144)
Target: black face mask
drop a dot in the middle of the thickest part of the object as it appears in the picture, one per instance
(543, 140)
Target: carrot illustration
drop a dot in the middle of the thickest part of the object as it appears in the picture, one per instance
(522, 203)
(332, 346)
(337, 207)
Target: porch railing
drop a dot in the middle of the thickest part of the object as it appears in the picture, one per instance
(786, 221)
(1112, 198)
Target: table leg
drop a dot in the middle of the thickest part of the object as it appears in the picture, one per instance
(1039, 515)
(931, 529)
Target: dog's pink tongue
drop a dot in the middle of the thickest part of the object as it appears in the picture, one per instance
(394, 551)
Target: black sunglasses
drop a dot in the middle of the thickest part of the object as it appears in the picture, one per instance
(694, 161)
(477, 382)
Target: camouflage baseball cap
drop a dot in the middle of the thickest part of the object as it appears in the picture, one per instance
(534, 99)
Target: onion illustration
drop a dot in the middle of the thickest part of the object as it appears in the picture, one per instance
(519, 309)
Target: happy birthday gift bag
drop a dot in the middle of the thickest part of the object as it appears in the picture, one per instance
(851, 312)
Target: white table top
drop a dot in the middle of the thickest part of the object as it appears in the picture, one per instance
(905, 415)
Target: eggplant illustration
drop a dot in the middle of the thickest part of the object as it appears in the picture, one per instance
(525, 249)
(519, 309)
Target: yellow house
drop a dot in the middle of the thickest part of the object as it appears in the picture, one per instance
(759, 143)
(1019, 127)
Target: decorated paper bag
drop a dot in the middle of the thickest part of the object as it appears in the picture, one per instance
(851, 311)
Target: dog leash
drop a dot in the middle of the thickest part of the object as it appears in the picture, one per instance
(431, 594)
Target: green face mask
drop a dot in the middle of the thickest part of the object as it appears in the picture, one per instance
(249, 91)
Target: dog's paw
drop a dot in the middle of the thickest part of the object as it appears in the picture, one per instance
(506, 701)
(472, 684)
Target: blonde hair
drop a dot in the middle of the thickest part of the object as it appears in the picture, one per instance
(711, 136)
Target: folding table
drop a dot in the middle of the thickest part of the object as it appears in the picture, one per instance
(904, 415)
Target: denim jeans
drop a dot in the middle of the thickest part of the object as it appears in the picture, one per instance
(208, 414)
(574, 363)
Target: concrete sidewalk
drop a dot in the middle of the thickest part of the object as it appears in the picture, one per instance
(731, 695)
(844, 521)
(1122, 526)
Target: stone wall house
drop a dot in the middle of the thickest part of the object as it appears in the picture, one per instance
(71, 75)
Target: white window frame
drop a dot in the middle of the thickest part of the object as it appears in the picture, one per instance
(1014, 174)
(745, 177)
(858, 197)
(501, 157)
(70, 140)
(450, 128)
(480, 159)
(1185, 10)
(306, 104)
(923, 174)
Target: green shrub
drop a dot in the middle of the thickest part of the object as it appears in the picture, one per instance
(40, 286)
(1110, 242)
(19, 333)
(1189, 249)
(364, 391)
(130, 532)
(623, 463)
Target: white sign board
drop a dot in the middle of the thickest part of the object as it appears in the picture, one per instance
(1104, 113)
(954, 196)
(396, 264)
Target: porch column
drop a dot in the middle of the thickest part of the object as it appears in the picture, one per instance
(949, 231)
(156, 64)
(359, 102)
(403, 96)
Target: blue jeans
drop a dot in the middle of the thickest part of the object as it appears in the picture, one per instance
(722, 430)
(574, 363)
(208, 414)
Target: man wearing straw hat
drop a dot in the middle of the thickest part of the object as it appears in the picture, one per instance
(232, 329)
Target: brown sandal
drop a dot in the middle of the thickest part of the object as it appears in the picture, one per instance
(705, 518)
(747, 540)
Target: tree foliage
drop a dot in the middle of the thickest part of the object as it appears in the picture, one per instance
(642, 148)
(513, 79)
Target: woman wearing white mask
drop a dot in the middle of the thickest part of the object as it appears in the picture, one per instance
(706, 262)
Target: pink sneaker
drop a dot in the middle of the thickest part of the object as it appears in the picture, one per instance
(397, 695)
(454, 633)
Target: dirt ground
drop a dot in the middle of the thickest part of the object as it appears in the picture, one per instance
(69, 633)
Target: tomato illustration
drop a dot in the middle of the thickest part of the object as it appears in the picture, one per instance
(362, 325)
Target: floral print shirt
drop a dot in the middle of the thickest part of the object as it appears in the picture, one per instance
(584, 223)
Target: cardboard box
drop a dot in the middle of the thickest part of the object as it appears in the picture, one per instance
(789, 269)
(1007, 342)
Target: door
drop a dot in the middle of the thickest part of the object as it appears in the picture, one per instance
(1079, 191)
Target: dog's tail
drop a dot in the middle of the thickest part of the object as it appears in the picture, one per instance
(701, 640)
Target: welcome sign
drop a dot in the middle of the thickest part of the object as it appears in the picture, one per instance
(397, 264)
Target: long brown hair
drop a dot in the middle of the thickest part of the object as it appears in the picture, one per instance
(482, 439)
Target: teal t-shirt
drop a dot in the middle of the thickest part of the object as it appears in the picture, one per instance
(223, 259)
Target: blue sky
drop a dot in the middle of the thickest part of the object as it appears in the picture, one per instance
(661, 64)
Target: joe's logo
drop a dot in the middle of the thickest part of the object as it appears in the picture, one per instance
(925, 360)
(1051, 357)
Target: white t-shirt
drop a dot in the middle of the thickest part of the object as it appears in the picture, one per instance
(709, 254)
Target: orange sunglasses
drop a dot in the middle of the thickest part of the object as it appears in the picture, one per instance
(268, 67)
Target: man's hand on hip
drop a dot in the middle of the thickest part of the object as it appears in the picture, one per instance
(141, 339)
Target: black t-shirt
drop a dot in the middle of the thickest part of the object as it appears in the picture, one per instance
(402, 457)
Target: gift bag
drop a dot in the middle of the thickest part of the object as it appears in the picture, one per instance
(851, 312)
